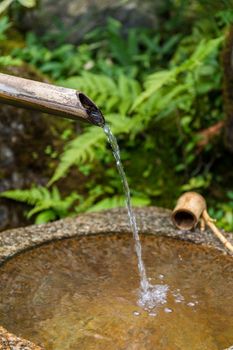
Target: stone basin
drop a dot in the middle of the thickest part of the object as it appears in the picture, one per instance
(113, 244)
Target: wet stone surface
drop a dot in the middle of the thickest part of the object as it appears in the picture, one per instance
(9, 341)
(74, 293)
(153, 221)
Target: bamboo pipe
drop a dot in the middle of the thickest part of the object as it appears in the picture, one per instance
(49, 98)
(190, 209)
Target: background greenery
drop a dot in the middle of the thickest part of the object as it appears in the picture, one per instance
(158, 89)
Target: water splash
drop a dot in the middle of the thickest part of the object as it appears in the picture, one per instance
(150, 295)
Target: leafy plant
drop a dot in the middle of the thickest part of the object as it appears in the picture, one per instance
(47, 205)
(7, 60)
(4, 26)
(158, 91)
(118, 201)
(223, 212)
(124, 96)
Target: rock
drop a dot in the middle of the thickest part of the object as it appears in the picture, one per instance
(9, 341)
(151, 220)
(79, 17)
(155, 221)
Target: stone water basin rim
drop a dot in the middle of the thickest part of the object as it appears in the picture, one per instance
(154, 221)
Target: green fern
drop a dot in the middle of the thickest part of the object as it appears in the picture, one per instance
(83, 147)
(7, 60)
(160, 84)
(47, 205)
(163, 94)
(118, 201)
(109, 94)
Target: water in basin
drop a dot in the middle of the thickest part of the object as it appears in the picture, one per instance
(82, 293)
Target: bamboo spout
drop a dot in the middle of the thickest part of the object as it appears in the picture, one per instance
(49, 98)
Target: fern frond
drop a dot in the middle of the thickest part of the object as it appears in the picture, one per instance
(83, 147)
(78, 151)
(118, 201)
(110, 95)
(7, 60)
(31, 196)
(156, 81)
(45, 216)
(44, 202)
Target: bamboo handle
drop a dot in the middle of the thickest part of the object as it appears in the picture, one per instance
(210, 222)
(190, 209)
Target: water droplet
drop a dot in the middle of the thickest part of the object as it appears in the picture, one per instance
(152, 314)
(178, 296)
(168, 310)
(153, 296)
(191, 304)
(136, 313)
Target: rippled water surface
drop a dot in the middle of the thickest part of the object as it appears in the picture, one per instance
(82, 294)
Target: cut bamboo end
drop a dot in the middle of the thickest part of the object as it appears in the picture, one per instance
(188, 210)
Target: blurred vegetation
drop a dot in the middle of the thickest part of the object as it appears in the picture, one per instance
(158, 89)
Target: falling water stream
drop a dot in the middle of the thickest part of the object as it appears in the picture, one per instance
(150, 295)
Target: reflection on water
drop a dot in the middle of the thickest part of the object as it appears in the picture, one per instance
(81, 294)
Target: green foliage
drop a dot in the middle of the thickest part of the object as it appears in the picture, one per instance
(60, 62)
(118, 201)
(106, 51)
(223, 212)
(112, 95)
(198, 182)
(6, 60)
(4, 26)
(123, 96)
(83, 148)
(177, 81)
(158, 91)
(47, 205)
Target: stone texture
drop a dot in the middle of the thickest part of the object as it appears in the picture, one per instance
(79, 17)
(155, 221)
(152, 220)
(9, 341)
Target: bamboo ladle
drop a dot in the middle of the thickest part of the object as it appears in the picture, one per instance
(191, 209)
